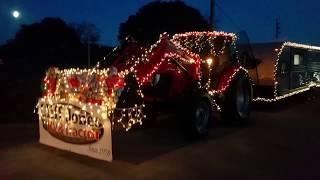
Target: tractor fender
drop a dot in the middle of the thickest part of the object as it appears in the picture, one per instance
(227, 75)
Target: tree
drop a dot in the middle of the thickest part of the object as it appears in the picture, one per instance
(50, 42)
(89, 35)
(87, 32)
(158, 17)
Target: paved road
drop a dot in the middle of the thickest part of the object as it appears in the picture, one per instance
(282, 143)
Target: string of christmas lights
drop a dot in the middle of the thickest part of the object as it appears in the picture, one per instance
(198, 41)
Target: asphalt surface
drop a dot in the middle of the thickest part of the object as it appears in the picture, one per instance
(281, 143)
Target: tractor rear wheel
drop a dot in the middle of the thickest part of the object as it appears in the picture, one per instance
(237, 100)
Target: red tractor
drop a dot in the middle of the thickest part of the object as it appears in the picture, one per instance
(194, 73)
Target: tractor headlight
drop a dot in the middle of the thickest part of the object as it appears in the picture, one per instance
(209, 61)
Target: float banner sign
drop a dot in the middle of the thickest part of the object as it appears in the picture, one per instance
(75, 127)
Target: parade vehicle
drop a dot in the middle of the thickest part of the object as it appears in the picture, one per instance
(284, 69)
(196, 72)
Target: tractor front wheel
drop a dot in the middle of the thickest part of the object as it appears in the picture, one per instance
(198, 117)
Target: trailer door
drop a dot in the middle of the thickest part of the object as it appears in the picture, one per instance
(282, 74)
(298, 73)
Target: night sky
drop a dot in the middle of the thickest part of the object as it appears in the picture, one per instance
(299, 20)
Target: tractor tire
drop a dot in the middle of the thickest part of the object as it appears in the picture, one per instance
(236, 106)
(197, 117)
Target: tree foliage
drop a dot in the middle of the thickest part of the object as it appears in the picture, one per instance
(51, 42)
(158, 17)
(87, 32)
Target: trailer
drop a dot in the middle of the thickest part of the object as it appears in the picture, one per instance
(284, 69)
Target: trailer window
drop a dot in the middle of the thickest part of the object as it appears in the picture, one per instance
(297, 59)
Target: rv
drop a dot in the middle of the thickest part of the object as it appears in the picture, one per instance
(284, 69)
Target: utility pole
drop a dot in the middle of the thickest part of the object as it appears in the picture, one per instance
(211, 20)
(89, 56)
(277, 30)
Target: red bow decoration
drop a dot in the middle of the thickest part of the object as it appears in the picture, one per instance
(74, 82)
(114, 82)
(50, 83)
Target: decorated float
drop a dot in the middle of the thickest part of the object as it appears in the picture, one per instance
(198, 70)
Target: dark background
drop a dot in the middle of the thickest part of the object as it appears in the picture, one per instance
(298, 19)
